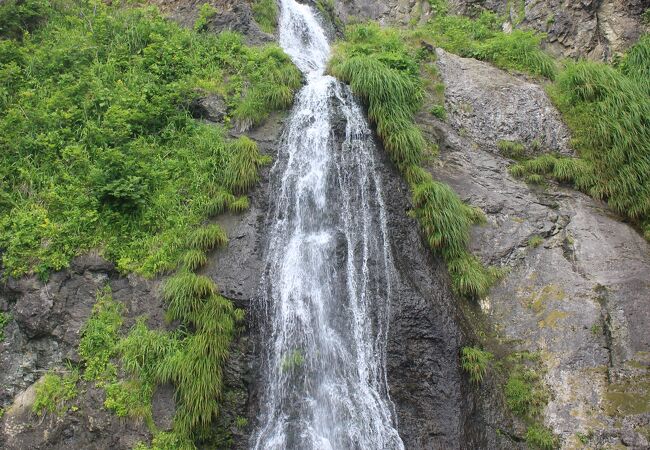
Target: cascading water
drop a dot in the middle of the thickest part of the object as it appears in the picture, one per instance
(327, 283)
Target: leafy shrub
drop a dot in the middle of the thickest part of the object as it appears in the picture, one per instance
(54, 392)
(475, 362)
(99, 150)
(439, 112)
(20, 16)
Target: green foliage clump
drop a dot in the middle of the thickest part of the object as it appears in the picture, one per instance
(54, 392)
(524, 395)
(482, 38)
(5, 318)
(99, 337)
(99, 150)
(293, 361)
(243, 168)
(511, 149)
(206, 12)
(540, 437)
(439, 112)
(607, 108)
(265, 13)
(185, 293)
(384, 71)
(475, 362)
(535, 241)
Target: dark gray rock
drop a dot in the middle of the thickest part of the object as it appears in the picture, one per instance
(490, 105)
(210, 107)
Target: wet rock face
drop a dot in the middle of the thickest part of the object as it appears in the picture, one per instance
(580, 294)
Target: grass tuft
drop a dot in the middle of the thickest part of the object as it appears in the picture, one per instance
(99, 336)
(193, 259)
(539, 437)
(475, 362)
(206, 238)
(186, 294)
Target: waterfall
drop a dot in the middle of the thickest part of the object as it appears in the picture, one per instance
(327, 286)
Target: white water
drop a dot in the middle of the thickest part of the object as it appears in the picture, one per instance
(328, 278)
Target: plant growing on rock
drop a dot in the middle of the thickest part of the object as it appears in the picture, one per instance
(54, 392)
(475, 362)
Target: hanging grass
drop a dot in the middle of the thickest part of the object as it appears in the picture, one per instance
(607, 108)
(193, 259)
(265, 13)
(475, 362)
(242, 171)
(186, 293)
(239, 205)
(206, 238)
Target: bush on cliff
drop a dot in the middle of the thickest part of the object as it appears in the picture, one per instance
(98, 147)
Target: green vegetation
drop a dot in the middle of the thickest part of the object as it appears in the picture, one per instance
(540, 437)
(206, 12)
(511, 149)
(385, 72)
(98, 148)
(5, 318)
(524, 396)
(54, 392)
(475, 362)
(99, 336)
(607, 108)
(482, 38)
(535, 241)
(20, 17)
(439, 112)
(293, 361)
(266, 13)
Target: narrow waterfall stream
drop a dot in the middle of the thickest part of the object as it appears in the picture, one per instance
(327, 285)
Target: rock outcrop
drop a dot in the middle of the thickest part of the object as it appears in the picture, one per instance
(581, 297)
(598, 29)
(229, 15)
(43, 335)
